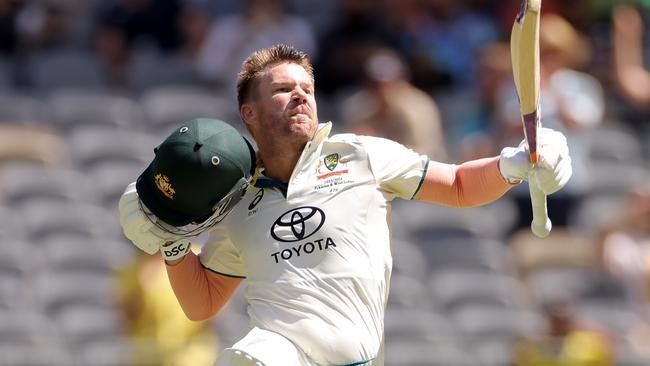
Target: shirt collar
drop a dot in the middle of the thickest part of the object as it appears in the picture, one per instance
(322, 132)
(312, 147)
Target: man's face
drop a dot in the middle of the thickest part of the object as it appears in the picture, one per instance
(284, 106)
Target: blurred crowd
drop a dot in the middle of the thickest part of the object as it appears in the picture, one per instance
(89, 87)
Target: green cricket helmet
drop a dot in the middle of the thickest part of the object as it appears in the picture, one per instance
(199, 172)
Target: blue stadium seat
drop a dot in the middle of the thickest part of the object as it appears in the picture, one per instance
(452, 288)
(151, 69)
(409, 292)
(106, 352)
(111, 179)
(22, 183)
(91, 147)
(479, 322)
(71, 108)
(66, 68)
(408, 324)
(44, 219)
(63, 253)
(26, 354)
(167, 107)
(17, 107)
(427, 353)
(82, 324)
(55, 290)
(408, 260)
(466, 253)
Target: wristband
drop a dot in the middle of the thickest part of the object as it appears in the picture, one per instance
(174, 250)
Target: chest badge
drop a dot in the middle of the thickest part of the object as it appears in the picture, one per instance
(331, 161)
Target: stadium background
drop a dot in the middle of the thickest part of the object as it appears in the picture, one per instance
(88, 88)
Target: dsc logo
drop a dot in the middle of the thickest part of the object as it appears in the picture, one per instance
(177, 249)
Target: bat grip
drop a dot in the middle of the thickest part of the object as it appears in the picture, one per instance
(541, 225)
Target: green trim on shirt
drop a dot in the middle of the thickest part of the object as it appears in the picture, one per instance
(424, 174)
(223, 274)
(270, 183)
(358, 363)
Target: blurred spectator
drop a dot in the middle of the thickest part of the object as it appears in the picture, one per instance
(445, 44)
(194, 25)
(356, 32)
(159, 331)
(27, 27)
(43, 25)
(625, 244)
(633, 79)
(9, 10)
(128, 25)
(232, 38)
(571, 341)
(143, 22)
(472, 120)
(405, 20)
(390, 106)
(571, 101)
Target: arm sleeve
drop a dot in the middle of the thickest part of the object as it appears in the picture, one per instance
(200, 292)
(220, 255)
(470, 184)
(399, 171)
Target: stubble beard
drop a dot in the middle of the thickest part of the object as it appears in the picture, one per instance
(291, 136)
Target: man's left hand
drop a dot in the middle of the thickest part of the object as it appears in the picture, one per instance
(553, 169)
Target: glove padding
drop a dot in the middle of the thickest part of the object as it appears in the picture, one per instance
(553, 169)
(140, 227)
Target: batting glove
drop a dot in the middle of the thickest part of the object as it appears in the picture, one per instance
(553, 169)
(139, 226)
(175, 250)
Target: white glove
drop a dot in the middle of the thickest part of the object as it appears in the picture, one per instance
(553, 168)
(139, 227)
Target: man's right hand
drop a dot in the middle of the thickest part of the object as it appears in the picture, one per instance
(140, 227)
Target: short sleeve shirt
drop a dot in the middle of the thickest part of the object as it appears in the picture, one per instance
(316, 251)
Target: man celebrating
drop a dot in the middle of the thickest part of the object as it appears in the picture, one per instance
(311, 233)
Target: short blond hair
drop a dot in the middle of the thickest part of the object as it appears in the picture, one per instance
(264, 58)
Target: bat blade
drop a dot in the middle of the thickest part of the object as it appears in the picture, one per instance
(524, 51)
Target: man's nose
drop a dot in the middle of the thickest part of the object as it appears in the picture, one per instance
(300, 97)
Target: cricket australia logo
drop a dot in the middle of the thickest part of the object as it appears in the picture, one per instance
(163, 184)
(331, 161)
(298, 224)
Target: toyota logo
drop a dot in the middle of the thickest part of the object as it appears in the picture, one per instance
(298, 224)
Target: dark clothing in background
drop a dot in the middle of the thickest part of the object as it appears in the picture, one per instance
(154, 21)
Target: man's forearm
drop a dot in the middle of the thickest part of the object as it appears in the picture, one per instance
(473, 183)
(174, 262)
(200, 292)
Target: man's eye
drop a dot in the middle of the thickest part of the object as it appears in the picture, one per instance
(283, 90)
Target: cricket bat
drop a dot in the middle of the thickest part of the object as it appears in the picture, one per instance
(524, 52)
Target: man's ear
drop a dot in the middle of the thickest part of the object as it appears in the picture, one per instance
(247, 114)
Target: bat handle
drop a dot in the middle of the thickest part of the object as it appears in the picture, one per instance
(541, 225)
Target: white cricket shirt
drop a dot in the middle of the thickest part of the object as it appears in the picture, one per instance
(316, 252)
